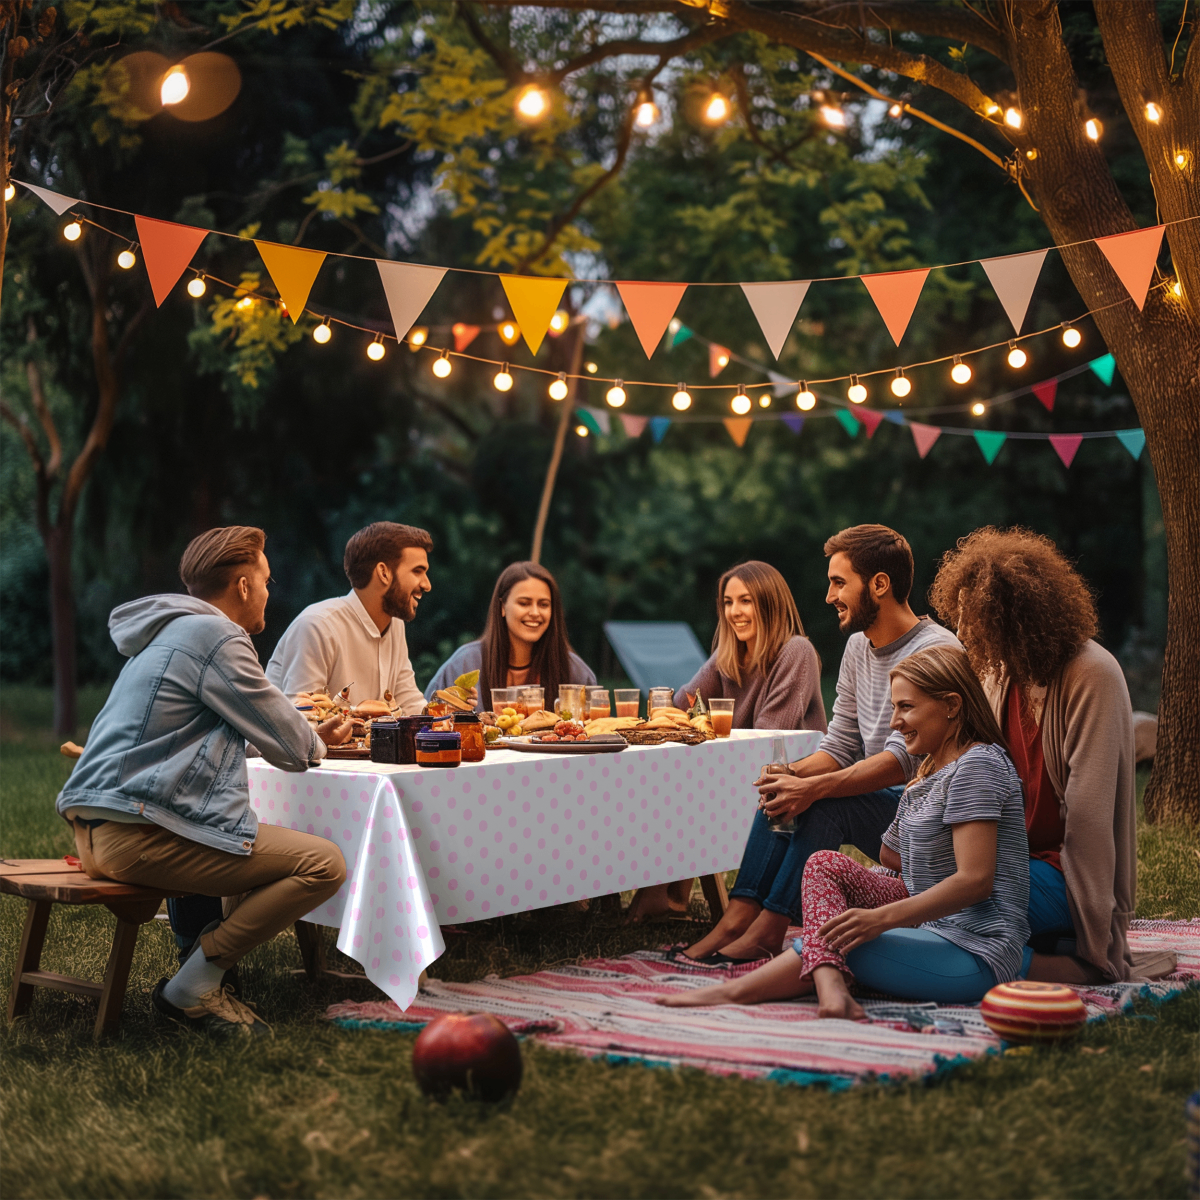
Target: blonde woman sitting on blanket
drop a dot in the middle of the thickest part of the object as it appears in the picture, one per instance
(952, 923)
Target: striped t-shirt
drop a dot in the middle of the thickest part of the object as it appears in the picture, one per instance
(981, 785)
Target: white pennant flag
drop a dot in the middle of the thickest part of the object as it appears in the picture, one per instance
(56, 200)
(1013, 279)
(781, 385)
(775, 306)
(408, 287)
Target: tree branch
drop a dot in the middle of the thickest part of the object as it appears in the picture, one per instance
(500, 55)
(37, 394)
(42, 502)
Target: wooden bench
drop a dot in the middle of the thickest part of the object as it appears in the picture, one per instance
(45, 882)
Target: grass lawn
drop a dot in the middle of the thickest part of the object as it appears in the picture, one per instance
(322, 1112)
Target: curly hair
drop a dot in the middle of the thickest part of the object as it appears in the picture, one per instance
(1018, 606)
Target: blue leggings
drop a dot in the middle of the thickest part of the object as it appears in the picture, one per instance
(918, 964)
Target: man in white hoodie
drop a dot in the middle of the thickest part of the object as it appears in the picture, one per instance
(160, 796)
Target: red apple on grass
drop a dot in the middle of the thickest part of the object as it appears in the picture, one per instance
(473, 1053)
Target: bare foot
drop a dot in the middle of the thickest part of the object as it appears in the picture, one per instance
(699, 998)
(833, 996)
(777, 980)
(762, 939)
(737, 919)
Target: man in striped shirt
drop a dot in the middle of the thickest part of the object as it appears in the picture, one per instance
(846, 792)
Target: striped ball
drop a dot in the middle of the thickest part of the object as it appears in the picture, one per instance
(1026, 1011)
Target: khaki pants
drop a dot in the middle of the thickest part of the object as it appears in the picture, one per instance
(286, 875)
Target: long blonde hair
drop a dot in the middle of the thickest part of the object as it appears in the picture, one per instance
(945, 671)
(776, 616)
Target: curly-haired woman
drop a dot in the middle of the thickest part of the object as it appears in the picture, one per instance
(1026, 619)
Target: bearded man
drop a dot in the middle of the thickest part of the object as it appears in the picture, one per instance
(358, 639)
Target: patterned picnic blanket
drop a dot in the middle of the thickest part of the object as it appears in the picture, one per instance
(606, 1008)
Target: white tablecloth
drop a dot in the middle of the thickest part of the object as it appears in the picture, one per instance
(426, 847)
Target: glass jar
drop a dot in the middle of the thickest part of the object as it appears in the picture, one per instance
(470, 732)
(438, 748)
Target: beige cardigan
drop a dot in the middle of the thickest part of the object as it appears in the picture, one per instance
(1087, 739)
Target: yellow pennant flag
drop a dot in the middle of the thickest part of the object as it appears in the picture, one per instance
(293, 272)
(534, 301)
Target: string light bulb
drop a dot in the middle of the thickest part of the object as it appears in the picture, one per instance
(510, 332)
(1017, 357)
(559, 322)
(73, 231)
(646, 112)
(901, 384)
(833, 116)
(682, 400)
(175, 85)
(722, 360)
(1071, 336)
(896, 111)
(991, 108)
(442, 366)
(1093, 127)
(418, 335)
(764, 400)
(376, 350)
(322, 333)
(9, 192)
(960, 372)
(581, 431)
(248, 302)
(1013, 118)
(717, 110)
(197, 287)
(616, 394)
(126, 260)
(856, 393)
(1182, 158)
(591, 368)
(741, 402)
(978, 408)
(805, 399)
(532, 103)
(503, 381)
(558, 389)
(1153, 112)
(1177, 289)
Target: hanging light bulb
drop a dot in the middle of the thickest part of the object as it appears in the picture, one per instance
(646, 112)
(682, 400)
(559, 322)
(581, 431)
(901, 385)
(322, 333)
(442, 366)
(616, 394)
(196, 287)
(126, 259)
(990, 108)
(591, 368)
(717, 110)
(248, 302)
(960, 372)
(418, 335)
(722, 360)
(805, 399)
(175, 85)
(1153, 112)
(376, 350)
(9, 192)
(978, 408)
(1017, 357)
(896, 111)
(764, 400)
(503, 381)
(1177, 288)
(833, 116)
(510, 332)
(1093, 128)
(558, 389)
(73, 232)
(1071, 336)
(533, 102)
(741, 402)
(1013, 118)
(1182, 158)
(856, 393)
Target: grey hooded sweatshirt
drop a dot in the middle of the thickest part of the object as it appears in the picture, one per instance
(169, 746)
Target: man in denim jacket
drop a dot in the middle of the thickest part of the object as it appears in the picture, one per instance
(160, 796)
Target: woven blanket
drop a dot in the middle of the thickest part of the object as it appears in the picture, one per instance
(606, 1008)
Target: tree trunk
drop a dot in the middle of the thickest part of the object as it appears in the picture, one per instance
(62, 625)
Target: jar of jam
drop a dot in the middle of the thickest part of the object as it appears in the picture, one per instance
(438, 748)
(468, 728)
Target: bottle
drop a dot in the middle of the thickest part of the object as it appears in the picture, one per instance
(778, 766)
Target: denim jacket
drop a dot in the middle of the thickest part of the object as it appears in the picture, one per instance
(170, 743)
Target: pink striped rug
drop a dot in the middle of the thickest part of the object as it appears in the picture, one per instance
(605, 1008)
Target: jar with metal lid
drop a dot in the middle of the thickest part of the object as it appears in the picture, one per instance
(438, 748)
(469, 729)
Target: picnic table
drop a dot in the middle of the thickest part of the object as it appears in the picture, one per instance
(426, 847)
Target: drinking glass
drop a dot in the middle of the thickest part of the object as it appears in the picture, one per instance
(572, 702)
(531, 698)
(628, 701)
(778, 766)
(720, 713)
(503, 698)
(660, 697)
(599, 703)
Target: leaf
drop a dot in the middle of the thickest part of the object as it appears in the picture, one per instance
(464, 683)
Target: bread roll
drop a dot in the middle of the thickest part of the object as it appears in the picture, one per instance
(372, 708)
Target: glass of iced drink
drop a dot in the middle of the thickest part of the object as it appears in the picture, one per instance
(628, 701)
(530, 700)
(660, 697)
(778, 766)
(720, 713)
(599, 703)
(572, 702)
(503, 698)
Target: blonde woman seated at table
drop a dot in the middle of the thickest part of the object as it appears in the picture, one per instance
(524, 641)
(762, 661)
(952, 923)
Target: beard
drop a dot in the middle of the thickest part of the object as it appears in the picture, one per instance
(862, 616)
(399, 603)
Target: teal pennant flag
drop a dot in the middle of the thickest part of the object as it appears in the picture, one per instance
(681, 335)
(589, 421)
(1134, 440)
(659, 427)
(1104, 366)
(847, 421)
(990, 441)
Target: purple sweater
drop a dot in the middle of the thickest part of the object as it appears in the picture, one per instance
(787, 697)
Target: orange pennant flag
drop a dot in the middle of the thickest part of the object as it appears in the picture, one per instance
(895, 294)
(650, 307)
(534, 301)
(739, 428)
(167, 248)
(293, 271)
(1132, 256)
(718, 359)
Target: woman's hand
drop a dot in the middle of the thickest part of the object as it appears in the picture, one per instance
(336, 730)
(853, 927)
(792, 794)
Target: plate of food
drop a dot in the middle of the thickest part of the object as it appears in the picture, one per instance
(565, 737)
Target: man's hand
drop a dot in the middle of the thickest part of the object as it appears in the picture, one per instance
(792, 795)
(336, 730)
(853, 927)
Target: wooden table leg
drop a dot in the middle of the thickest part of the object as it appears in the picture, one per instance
(311, 939)
(29, 956)
(714, 892)
(116, 977)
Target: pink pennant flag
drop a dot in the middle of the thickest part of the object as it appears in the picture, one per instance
(1046, 391)
(167, 249)
(924, 436)
(650, 307)
(775, 307)
(1065, 446)
(1013, 278)
(895, 294)
(633, 425)
(715, 355)
(408, 287)
(1132, 256)
(870, 418)
(464, 335)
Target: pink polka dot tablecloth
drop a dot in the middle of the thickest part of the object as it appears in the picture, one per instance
(426, 847)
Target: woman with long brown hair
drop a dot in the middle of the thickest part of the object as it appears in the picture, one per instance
(950, 923)
(523, 642)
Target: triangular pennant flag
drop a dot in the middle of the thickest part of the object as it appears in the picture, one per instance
(650, 307)
(1046, 391)
(775, 307)
(633, 425)
(781, 385)
(895, 294)
(534, 301)
(408, 288)
(738, 428)
(1013, 279)
(871, 419)
(847, 422)
(56, 200)
(1104, 366)
(293, 271)
(794, 421)
(989, 442)
(924, 436)
(167, 248)
(587, 419)
(895, 416)
(602, 417)
(715, 355)
(1132, 256)
(464, 335)
(681, 335)
(1134, 440)
(659, 427)
(1066, 445)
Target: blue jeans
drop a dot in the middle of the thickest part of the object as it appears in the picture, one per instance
(918, 964)
(773, 863)
(1050, 926)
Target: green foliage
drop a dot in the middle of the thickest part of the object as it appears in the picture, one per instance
(278, 16)
(107, 18)
(343, 166)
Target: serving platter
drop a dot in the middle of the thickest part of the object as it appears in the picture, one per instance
(347, 752)
(528, 746)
